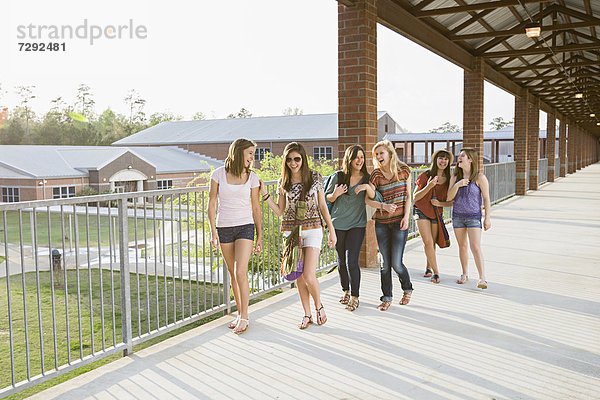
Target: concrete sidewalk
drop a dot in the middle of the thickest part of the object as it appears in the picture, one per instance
(534, 334)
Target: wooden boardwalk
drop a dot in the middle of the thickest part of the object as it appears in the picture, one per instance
(534, 334)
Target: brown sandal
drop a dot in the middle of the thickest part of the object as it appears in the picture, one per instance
(384, 305)
(405, 298)
(346, 297)
(352, 304)
(320, 319)
(305, 322)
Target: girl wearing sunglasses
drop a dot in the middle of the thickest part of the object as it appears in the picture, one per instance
(298, 179)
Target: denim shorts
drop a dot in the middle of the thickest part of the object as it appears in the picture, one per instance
(419, 215)
(458, 222)
(232, 233)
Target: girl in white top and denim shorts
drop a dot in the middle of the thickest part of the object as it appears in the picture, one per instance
(235, 186)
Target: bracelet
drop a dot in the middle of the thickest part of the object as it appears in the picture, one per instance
(266, 197)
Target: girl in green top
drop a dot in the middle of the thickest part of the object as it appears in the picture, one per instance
(346, 191)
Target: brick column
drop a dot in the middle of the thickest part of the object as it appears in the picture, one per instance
(571, 148)
(562, 146)
(357, 91)
(520, 144)
(473, 109)
(551, 145)
(577, 148)
(533, 144)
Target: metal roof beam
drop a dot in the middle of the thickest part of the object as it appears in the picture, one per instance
(475, 7)
(520, 30)
(545, 50)
(567, 65)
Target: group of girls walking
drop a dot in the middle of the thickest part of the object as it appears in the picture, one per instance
(351, 192)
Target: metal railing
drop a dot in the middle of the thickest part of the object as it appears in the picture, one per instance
(130, 267)
(139, 267)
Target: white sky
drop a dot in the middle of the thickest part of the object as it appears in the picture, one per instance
(218, 56)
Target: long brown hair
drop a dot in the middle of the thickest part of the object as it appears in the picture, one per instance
(234, 163)
(433, 169)
(474, 157)
(350, 155)
(286, 173)
(395, 163)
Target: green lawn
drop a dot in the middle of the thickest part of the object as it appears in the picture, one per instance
(203, 296)
(12, 223)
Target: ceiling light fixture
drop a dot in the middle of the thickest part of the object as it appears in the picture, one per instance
(533, 29)
(579, 95)
(592, 115)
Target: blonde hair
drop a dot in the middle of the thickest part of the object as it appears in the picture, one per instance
(395, 163)
(474, 157)
(234, 163)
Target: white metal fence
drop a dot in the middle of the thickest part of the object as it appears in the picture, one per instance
(139, 267)
(126, 269)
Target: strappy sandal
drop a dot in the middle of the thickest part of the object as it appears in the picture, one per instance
(234, 323)
(306, 321)
(428, 273)
(346, 297)
(237, 332)
(405, 298)
(320, 320)
(463, 279)
(482, 284)
(384, 305)
(435, 278)
(352, 304)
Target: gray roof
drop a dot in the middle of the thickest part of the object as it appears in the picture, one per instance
(260, 129)
(502, 134)
(25, 161)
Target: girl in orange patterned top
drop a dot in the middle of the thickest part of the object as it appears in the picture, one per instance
(391, 178)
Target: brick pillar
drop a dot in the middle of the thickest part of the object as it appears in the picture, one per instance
(551, 144)
(571, 148)
(577, 160)
(533, 144)
(520, 144)
(357, 91)
(473, 109)
(562, 146)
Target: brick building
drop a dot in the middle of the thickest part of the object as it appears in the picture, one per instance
(317, 132)
(51, 172)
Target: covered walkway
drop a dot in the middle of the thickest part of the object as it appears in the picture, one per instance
(532, 335)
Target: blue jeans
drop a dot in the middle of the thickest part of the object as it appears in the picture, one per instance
(348, 249)
(391, 241)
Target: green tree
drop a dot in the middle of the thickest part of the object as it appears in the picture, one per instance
(13, 132)
(159, 117)
(499, 123)
(135, 104)
(445, 128)
(243, 113)
(25, 94)
(85, 101)
(198, 116)
(111, 127)
(293, 111)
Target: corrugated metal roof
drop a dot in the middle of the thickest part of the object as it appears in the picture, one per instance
(259, 129)
(75, 161)
(503, 134)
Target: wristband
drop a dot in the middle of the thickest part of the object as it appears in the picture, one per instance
(266, 197)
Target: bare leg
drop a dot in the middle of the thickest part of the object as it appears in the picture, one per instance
(425, 230)
(243, 250)
(228, 250)
(475, 244)
(463, 249)
(311, 258)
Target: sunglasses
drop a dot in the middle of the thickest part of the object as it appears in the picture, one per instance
(295, 159)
